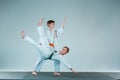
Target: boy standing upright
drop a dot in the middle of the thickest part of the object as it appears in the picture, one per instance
(48, 38)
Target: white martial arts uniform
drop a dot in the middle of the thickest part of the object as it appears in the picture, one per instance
(57, 57)
(45, 38)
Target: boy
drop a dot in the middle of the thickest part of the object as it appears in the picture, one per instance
(46, 54)
(48, 38)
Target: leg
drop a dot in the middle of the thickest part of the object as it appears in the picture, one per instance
(57, 67)
(38, 66)
(42, 50)
(28, 39)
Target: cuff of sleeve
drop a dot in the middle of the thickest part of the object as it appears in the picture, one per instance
(26, 38)
(71, 68)
(61, 28)
(40, 27)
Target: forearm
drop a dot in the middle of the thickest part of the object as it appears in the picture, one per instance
(64, 22)
(65, 63)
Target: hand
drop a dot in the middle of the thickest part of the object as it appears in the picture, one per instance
(41, 22)
(74, 71)
(64, 21)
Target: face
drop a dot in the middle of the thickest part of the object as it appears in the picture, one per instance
(63, 51)
(51, 25)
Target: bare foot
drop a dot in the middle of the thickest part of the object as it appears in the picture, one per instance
(56, 74)
(23, 34)
(34, 73)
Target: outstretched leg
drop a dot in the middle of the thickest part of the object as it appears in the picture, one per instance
(42, 50)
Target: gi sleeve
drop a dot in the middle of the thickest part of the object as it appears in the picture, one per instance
(59, 31)
(63, 61)
(40, 30)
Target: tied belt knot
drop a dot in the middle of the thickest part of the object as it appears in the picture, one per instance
(51, 44)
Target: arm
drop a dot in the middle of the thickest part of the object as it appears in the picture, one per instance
(60, 29)
(63, 61)
(68, 66)
(40, 28)
(64, 22)
(73, 71)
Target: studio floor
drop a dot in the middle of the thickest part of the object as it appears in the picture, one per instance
(64, 76)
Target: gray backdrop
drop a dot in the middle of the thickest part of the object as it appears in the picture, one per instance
(92, 32)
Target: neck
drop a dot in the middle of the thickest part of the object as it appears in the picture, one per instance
(50, 29)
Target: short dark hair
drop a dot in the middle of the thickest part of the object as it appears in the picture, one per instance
(67, 48)
(50, 21)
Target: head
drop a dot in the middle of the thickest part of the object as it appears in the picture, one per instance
(64, 50)
(51, 23)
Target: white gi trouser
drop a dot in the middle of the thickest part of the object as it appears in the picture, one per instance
(57, 57)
